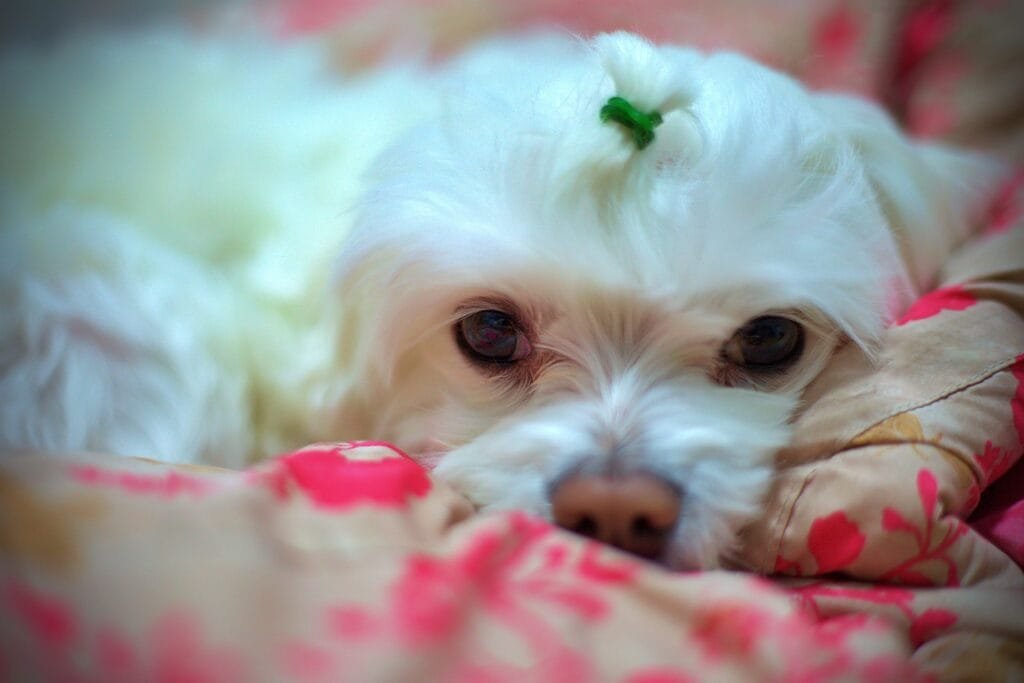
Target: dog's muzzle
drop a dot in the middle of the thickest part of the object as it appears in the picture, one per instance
(635, 511)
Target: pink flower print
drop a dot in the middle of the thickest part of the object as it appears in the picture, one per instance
(924, 30)
(930, 548)
(1006, 209)
(429, 600)
(731, 629)
(951, 298)
(44, 631)
(331, 479)
(836, 36)
(787, 567)
(921, 626)
(61, 645)
(179, 653)
(835, 542)
(933, 112)
(435, 596)
(352, 623)
(877, 595)
(929, 624)
(159, 484)
(1017, 402)
(921, 33)
(432, 594)
(116, 659)
(501, 574)
(49, 619)
(607, 570)
(809, 646)
(994, 462)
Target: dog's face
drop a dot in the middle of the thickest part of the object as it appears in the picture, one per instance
(533, 302)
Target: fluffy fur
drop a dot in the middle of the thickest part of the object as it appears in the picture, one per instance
(177, 302)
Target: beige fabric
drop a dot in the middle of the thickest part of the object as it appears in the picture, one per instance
(887, 463)
(129, 570)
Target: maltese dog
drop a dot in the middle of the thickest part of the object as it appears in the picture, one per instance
(593, 285)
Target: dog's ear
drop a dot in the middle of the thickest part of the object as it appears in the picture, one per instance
(933, 196)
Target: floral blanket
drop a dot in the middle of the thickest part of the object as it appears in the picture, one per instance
(349, 562)
(346, 562)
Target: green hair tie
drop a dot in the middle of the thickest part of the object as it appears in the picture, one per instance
(640, 125)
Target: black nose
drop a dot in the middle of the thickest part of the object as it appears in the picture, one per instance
(635, 511)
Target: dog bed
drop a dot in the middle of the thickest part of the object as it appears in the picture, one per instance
(893, 539)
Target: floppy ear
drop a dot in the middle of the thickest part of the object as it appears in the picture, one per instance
(932, 195)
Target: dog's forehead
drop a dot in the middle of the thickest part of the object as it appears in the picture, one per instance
(542, 169)
(632, 320)
(643, 259)
(513, 192)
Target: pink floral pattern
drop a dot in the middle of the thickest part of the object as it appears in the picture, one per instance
(162, 485)
(1017, 403)
(922, 625)
(509, 583)
(330, 479)
(933, 540)
(49, 621)
(60, 644)
(496, 575)
(835, 542)
(1007, 209)
(951, 298)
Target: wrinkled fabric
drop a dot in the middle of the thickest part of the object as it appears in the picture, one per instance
(347, 562)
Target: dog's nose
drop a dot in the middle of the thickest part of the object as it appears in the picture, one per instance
(635, 511)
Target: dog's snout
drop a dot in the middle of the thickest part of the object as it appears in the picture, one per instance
(636, 511)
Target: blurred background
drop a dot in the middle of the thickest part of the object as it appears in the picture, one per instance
(946, 68)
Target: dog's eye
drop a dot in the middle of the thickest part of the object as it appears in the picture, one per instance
(492, 337)
(766, 343)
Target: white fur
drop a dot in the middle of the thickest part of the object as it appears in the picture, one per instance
(169, 206)
(632, 268)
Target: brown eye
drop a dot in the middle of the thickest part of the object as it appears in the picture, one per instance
(766, 343)
(492, 337)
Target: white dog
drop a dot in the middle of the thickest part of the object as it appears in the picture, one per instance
(592, 284)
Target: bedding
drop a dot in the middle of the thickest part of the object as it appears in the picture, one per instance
(891, 547)
(348, 561)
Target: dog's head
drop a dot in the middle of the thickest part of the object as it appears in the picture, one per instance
(560, 321)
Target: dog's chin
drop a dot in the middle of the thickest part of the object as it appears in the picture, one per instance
(713, 445)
